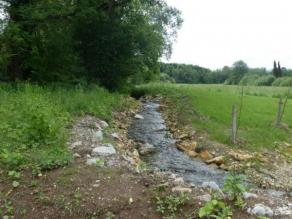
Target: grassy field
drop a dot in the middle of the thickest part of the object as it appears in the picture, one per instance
(34, 121)
(208, 109)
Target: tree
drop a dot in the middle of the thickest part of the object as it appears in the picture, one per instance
(239, 69)
(277, 70)
(111, 42)
(37, 43)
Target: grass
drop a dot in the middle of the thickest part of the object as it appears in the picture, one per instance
(34, 121)
(208, 109)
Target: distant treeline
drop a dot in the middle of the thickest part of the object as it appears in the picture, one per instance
(238, 74)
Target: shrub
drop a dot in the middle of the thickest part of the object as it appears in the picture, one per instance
(29, 122)
(282, 82)
(34, 121)
(170, 204)
(249, 79)
(265, 80)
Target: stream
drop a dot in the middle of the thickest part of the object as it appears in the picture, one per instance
(152, 129)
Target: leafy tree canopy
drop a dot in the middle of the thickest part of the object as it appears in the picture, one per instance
(111, 42)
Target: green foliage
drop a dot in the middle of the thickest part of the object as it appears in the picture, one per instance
(215, 209)
(14, 174)
(99, 163)
(249, 79)
(6, 206)
(34, 122)
(265, 81)
(166, 78)
(170, 204)
(257, 80)
(110, 42)
(189, 74)
(239, 69)
(234, 188)
(277, 70)
(282, 82)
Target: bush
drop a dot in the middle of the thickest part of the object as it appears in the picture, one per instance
(34, 121)
(282, 82)
(257, 80)
(249, 79)
(29, 122)
(265, 80)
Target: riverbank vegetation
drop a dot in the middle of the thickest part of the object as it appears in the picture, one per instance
(35, 121)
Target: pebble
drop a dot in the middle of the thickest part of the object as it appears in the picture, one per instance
(97, 136)
(178, 181)
(146, 149)
(211, 185)
(92, 161)
(284, 210)
(138, 116)
(115, 136)
(76, 144)
(105, 150)
(181, 190)
(76, 155)
(103, 124)
(204, 198)
(261, 210)
(248, 195)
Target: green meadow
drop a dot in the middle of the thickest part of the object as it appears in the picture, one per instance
(208, 108)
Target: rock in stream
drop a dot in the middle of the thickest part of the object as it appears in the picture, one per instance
(152, 130)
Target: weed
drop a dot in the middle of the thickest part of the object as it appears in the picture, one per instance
(99, 163)
(215, 209)
(34, 122)
(6, 207)
(77, 196)
(110, 215)
(63, 203)
(170, 204)
(45, 200)
(14, 174)
(234, 188)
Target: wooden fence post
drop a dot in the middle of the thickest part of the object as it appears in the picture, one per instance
(279, 113)
(234, 124)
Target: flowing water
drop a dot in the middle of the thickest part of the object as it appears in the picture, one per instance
(152, 130)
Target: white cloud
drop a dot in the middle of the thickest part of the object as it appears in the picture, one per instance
(217, 33)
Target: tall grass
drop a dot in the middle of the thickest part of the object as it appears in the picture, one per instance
(213, 103)
(34, 121)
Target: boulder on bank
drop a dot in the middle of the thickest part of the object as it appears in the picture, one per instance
(104, 150)
(217, 160)
(261, 210)
(146, 149)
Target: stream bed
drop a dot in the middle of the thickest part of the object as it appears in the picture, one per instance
(152, 129)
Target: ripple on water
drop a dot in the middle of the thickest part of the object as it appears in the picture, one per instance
(152, 130)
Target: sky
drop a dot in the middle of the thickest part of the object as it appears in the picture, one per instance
(216, 33)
